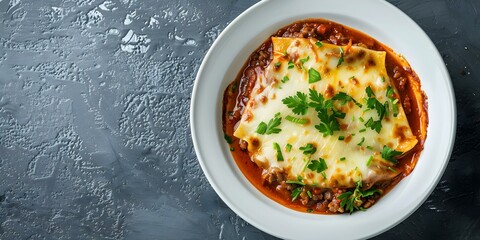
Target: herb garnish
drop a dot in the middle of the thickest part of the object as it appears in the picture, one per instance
(279, 152)
(389, 154)
(394, 101)
(290, 65)
(308, 149)
(292, 119)
(369, 161)
(298, 103)
(344, 98)
(288, 147)
(295, 193)
(299, 181)
(271, 127)
(325, 112)
(341, 138)
(228, 138)
(319, 44)
(341, 60)
(343, 158)
(313, 76)
(361, 142)
(352, 201)
(304, 60)
(285, 79)
(277, 64)
(318, 165)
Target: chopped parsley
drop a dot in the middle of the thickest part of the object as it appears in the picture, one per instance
(299, 181)
(343, 158)
(341, 138)
(279, 152)
(389, 94)
(341, 60)
(285, 79)
(313, 76)
(392, 169)
(308, 149)
(277, 64)
(361, 142)
(318, 165)
(304, 60)
(369, 161)
(232, 149)
(389, 154)
(295, 193)
(352, 201)
(290, 65)
(298, 103)
(309, 194)
(374, 125)
(271, 127)
(227, 138)
(288, 148)
(319, 44)
(292, 119)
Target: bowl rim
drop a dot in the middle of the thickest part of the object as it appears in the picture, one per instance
(258, 223)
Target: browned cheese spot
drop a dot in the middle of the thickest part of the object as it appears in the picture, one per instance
(399, 133)
(255, 142)
(264, 99)
(360, 54)
(348, 139)
(354, 80)
(329, 91)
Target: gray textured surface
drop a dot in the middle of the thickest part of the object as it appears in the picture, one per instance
(94, 134)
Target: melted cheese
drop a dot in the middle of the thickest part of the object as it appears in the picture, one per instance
(346, 159)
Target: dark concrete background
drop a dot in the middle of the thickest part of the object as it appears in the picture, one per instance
(94, 121)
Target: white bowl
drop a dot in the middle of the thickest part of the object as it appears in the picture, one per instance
(226, 57)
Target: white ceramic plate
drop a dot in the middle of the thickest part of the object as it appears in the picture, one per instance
(226, 57)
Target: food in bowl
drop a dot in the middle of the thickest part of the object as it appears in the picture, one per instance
(325, 119)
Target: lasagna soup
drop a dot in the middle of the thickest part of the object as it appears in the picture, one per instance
(325, 119)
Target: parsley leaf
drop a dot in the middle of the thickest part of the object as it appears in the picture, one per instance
(326, 113)
(298, 103)
(344, 98)
(313, 76)
(277, 64)
(308, 149)
(318, 165)
(369, 92)
(285, 79)
(271, 127)
(295, 193)
(262, 128)
(352, 201)
(319, 44)
(389, 154)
